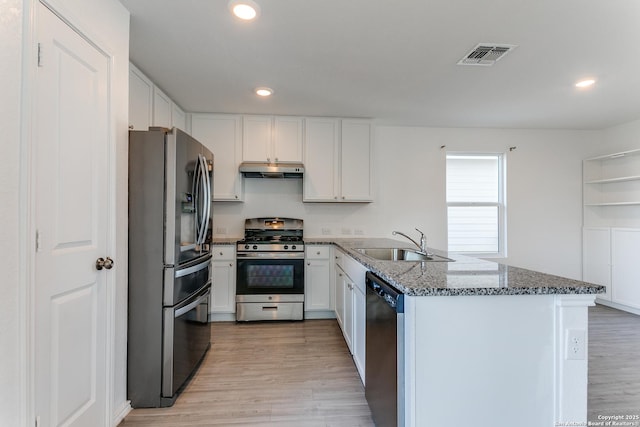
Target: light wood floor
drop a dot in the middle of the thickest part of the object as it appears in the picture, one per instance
(269, 374)
(614, 363)
(301, 374)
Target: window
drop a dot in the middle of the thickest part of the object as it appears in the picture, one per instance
(475, 204)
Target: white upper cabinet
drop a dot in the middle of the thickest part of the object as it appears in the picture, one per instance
(179, 118)
(272, 139)
(337, 160)
(150, 106)
(322, 139)
(162, 106)
(222, 134)
(356, 161)
(140, 99)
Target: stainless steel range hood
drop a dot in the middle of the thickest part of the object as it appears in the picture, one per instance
(271, 170)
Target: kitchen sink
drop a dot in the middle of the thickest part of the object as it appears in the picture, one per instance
(400, 254)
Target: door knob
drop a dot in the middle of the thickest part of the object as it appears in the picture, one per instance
(104, 263)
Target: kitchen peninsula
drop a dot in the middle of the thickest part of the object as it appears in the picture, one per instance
(485, 344)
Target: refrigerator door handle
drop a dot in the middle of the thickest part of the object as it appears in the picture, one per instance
(196, 198)
(207, 199)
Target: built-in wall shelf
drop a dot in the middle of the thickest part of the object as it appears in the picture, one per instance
(610, 180)
(614, 180)
(637, 202)
(611, 233)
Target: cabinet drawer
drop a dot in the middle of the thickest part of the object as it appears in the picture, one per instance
(318, 252)
(226, 252)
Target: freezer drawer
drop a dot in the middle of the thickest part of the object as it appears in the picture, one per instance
(186, 339)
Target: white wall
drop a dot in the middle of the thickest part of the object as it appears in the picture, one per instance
(11, 14)
(620, 138)
(544, 192)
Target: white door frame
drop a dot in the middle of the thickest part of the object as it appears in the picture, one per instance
(28, 174)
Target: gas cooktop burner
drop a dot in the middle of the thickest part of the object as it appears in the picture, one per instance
(272, 235)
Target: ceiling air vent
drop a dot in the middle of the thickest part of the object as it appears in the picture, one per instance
(486, 54)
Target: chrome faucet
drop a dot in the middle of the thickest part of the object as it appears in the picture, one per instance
(423, 241)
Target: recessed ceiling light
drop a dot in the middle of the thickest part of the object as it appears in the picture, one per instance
(244, 9)
(585, 83)
(264, 91)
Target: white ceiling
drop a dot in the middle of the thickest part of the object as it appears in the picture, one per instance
(395, 60)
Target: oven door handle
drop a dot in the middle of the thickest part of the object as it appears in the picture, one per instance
(269, 256)
(179, 312)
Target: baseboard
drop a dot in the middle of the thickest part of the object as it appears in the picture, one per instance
(328, 314)
(222, 317)
(121, 413)
(618, 306)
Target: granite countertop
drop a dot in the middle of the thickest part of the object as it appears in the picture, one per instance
(464, 276)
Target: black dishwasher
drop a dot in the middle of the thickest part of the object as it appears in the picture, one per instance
(384, 367)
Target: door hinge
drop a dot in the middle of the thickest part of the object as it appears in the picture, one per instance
(37, 240)
(39, 55)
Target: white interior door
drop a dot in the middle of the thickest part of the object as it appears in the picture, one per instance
(71, 214)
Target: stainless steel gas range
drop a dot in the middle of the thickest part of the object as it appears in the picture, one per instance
(270, 270)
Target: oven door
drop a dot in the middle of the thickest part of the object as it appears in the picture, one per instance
(187, 336)
(259, 274)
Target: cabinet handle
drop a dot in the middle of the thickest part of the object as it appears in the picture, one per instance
(318, 253)
(230, 264)
(335, 197)
(268, 160)
(276, 160)
(342, 197)
(308, 263)
(220, 253)
(340, 274)
(236, 196)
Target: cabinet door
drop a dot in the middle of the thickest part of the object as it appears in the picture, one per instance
(356, 161)
(321, 160)
(317, 293)
(340, 284)
(179, 118)
(596, 258)
(223, 292)
(140, 99)
(625, 247)
(256, 139)
(221, 133)
(347, 329)
(161, 108)
(359, 329)
(287, 139)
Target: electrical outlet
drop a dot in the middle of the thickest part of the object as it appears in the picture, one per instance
(326, 231)
(576, 344)
(221, 230)
(358, 232)
(346, 230)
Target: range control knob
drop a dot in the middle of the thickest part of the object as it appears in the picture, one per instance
(255, 247)
(246, 246)
(293, 247)
(286, 247)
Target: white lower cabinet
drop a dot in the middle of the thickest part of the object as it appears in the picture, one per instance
(625, 274)
(610, 259)
(351, 307)
(223, 278)
(318, 295)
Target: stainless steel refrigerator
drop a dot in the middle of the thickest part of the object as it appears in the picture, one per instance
(170, 182)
